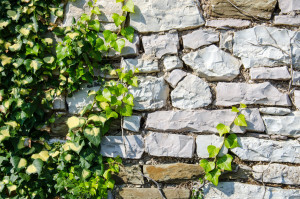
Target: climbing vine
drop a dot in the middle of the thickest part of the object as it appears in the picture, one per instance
(32, 75)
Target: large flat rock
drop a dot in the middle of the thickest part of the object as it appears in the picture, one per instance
(202, 121)
(228, 23)
(151, 93)
(188, 96)
(277, 173)
(288, 125)
(129, 175)
(237, 190)
(153, 193)
(143, 65)
(246, 8)
(203, 141)
(175, 76)
(254, 149)
(229, 94)
(169, 145)
(132, 147)
(157, 15)
(200, 38)
(213, 64)
(275, 111)
(287, 6)
(277, 73)
(287, 20)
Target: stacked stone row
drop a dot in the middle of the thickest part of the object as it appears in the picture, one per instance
(191, 71)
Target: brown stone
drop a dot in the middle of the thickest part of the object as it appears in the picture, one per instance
(153, 193)
(59, 128)
(173, 172)
(129, 175)
(257, 8)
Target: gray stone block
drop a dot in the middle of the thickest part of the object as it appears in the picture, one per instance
(169, 145)
(132, 123)
(143, 65)
(59, 103)
(200, 38)
(172, 62)
(296, 78)
(278, 73)
(226, 41)
(297, 98)
(175, 77)
(287, 6)
(228, 23)
(275, 111)
(203, 141)
(287, 20)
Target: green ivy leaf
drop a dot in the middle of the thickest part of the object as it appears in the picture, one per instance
(224, 162)
(129, 6)
(243, 105)
(126, 110)
(93, 135)
(231, 141)
(118, 19)
(107, 95)
(95, 25)
(234, 109)
(35, 167)
(118, 45)
(118, 1)
(134, 82)
(240, 120)
(109, 36)
(223, 129)
(75, 122)
(85, 17)
(110, 183)
(207, 166)
(128, 33)
(128, 99)
(212, 151)
(213, 176)
(96, 10)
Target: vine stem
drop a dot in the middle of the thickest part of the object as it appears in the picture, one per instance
(158, 187)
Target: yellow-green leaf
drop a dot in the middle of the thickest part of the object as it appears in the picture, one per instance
(24, 31)
(49, 60)
(5, 60)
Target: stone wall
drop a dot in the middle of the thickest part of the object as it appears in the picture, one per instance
(197, 59)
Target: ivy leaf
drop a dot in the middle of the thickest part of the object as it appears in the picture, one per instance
(207, 166)
(240, 120)
(35, 167)
(85, 174)
(128, 33)
(213, 176)
(212, 151)
(84, 17)
(96, 10)
(33, 51)
(118, 1)
(49, 60)
(73, 146)
(224, 162)
(134, 82)
(62, 51)
(5, 60)
(106, 94)
(118, 19)
(93, 135)
(118, 45)
(95, 25)
(231, 141)
(223, 129)
(126, 110)
(234, 109)
(86, 109)
(75, 122)
(243, 105)
(128, 99)
(35, 65)
(110, 183)
(109, 36)
(129, 6)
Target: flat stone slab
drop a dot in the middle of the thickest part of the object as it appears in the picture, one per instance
(130, 49)
(264, 46)
(202, 121)
(175, 77)
(129, 175)
(132, 147)
(278, 73)
(255, 149)
(159, 45)
(203, 141)
(275, 111)
(169, 145)
(132, 123)
(188, 96)
(200, 38)
(151, 93)
(172, 62)
(297, 98)
(173, 172)
(247, 9)
(263, 94)
(237, 190)
(287, 20)
(157, 15)
(277, 173)
(296, 78)
(213, 64)
(288, 125)
(289, 6)
(59, 103)
(143, 65)
(226, 41)
(228, 23)
(153, 193)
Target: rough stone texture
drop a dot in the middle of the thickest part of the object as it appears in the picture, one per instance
(263, 46)
(200, 38)
(151, 94)
(129, 175)
(113, 146)
(175, 76)
(279, 73)
(77, 8)
(287, 6)
(296, 78)
(254, 149)
(159, 45)
(296, 49)
(203, 141)
(213, 64)
(130, 49)
(156, 15)
(192, 92)
(288, 125)
(143, 65)
(238, 172)
(202, 121)
(263, 93)
(132, 123)
(80, 99)
(237, 190)
(228, 23)
(173, 172)
(226, 41)
(277, 173)
(172, 62)
(172, 145)
(59, 128)
(59, 103)
(275, 111)
(297, 98)
(287, 20)
(153, 193)
(256, 8)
